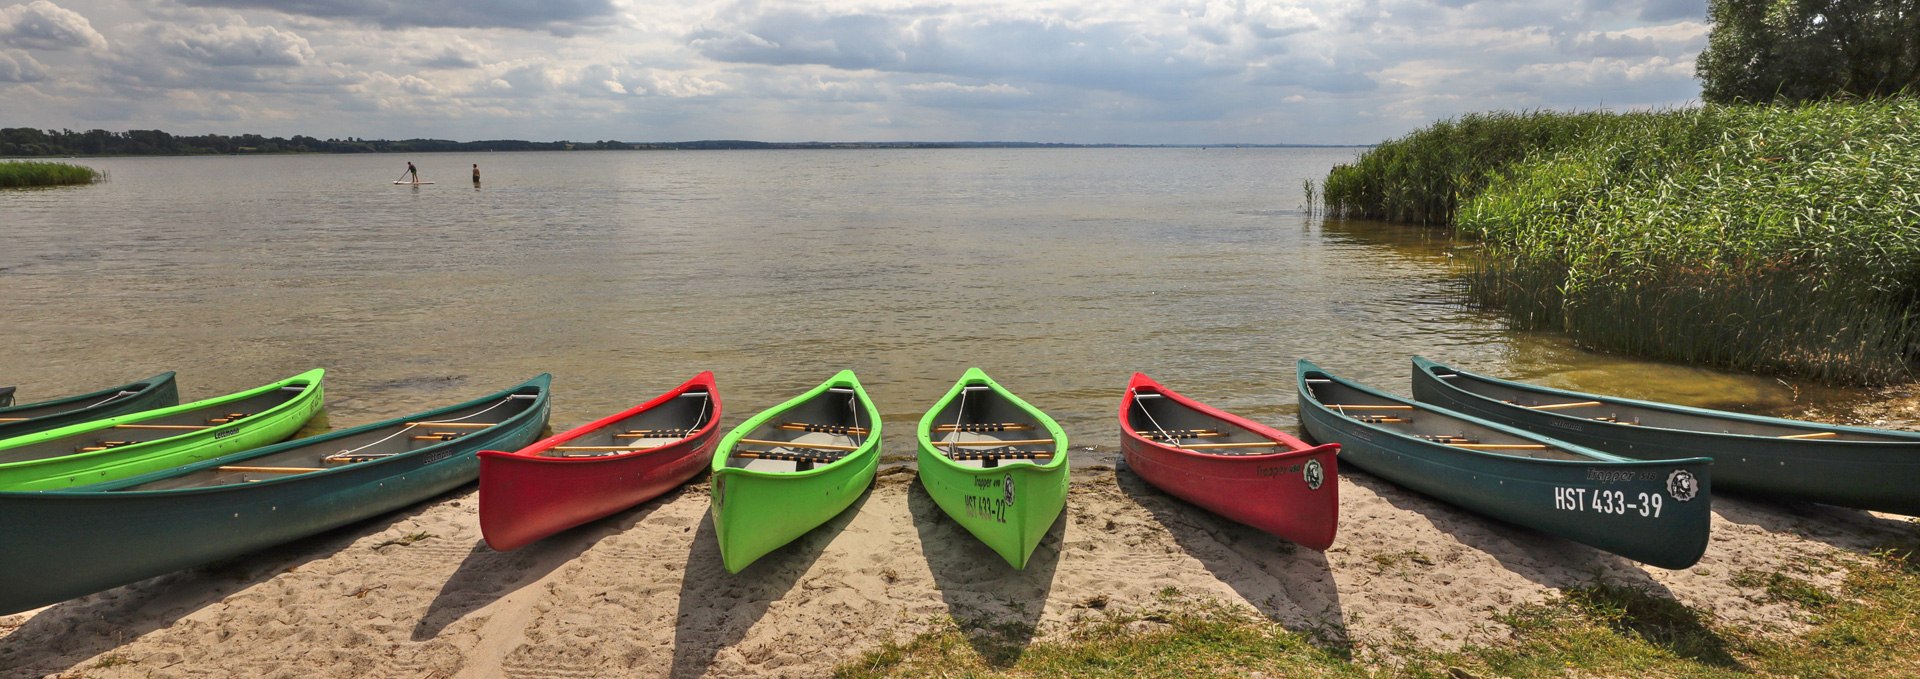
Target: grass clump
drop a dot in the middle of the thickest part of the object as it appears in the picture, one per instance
(1777, 238)
(15, 174)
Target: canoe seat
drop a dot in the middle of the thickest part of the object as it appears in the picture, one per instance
(1446, 438)
(103, 445)
(996, 454)
(1380, 419)
(438, 436)
(654, 434)
(840, 429)
(802, 460)
(228, 418)
(1175, 434)
(983, 427)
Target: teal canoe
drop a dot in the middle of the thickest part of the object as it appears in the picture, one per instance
(789, 469)
(130, 445)
(1654, 512)
(1855, 467)
(994, 463)
(62, 544)
(32, 418)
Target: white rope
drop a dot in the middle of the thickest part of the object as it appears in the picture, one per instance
(111, 398)
(957, 414)
(1156, 423)
(411, 425)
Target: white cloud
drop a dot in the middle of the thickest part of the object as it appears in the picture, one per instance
(43, 25)
(19, 67)
(236, 44)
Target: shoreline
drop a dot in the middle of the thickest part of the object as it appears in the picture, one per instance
(416, 593)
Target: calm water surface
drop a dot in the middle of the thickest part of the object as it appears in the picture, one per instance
(623, 273)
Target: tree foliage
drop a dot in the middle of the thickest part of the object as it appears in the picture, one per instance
(1799, 50)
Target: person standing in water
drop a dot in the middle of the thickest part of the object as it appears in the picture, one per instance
(413, 172)
(476, 173)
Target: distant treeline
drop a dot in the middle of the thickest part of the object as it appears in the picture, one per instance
(27, 142)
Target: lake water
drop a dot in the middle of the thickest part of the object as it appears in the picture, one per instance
(1058, 271)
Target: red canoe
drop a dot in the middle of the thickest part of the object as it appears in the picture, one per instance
(600, 468)
(1230, 465)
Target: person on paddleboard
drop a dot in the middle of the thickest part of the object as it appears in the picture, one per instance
(413, 172)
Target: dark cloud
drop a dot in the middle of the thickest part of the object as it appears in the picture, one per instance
(43, 25)
(449, 58)
(559, 17)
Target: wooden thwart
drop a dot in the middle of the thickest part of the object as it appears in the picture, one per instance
(268, 470)
(654, 434)
(991, 443)
(601, 449)
(1179, 434)
(13, 419)
(453, 425)
(824, 428)
(1557, 406)
(1220, 446)
(180, 427)
(818, 458)
(229, 418)
(1813, 435)
(1500, 446)
(796, 444)
(983, 427)
(1369, 407)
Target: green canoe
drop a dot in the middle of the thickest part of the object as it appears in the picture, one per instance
(66, 543)
(999, 466)
(1654, 512)
(790, 468)
(128, 445)
(32, 418)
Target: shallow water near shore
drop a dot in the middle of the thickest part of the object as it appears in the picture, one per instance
(1059, 271)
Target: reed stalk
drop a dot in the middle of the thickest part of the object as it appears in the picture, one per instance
(36, 173)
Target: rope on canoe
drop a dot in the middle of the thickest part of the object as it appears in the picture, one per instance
(110, 399)
(1163, 433)
(342, 455)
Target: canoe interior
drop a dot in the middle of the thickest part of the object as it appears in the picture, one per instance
(672, 421)
(1627, 413)
(33, 410)
(837, 407)
(1161, 418)
(1423, 423)
(328, 453)
(154, 429)
(978, 405)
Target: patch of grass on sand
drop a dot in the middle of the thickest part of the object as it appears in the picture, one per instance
(1869, 628)
(37, 173)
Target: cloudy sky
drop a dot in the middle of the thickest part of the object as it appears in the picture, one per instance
(1085, 71)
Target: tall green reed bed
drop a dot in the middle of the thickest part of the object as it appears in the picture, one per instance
(35, 173)
(1784, 239)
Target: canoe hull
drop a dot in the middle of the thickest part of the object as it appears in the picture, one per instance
(259, 429)
(525, 497)
(1874, 475)
(756, 512)
(154, 392)
(1010, 506)
(1654, 512)
(1294, 494)
(64, 544)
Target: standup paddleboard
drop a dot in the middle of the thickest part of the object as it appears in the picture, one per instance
(413, 183)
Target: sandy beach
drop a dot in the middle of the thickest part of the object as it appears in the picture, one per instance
(642, 593)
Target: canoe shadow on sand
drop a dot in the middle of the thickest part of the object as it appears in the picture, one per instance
(718, 608)
(60, 638)
(1290, 584)
(1651, 609)
(486, 575)
(1853, 530)
(996, 607)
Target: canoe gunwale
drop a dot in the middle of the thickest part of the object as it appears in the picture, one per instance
(144, 387)
(841, 380)
(358, 468)
(977, 377)
(1425, 366)
(534, 452)
(1290, 446)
